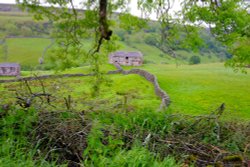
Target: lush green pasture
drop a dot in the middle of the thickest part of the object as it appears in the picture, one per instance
(200, 89)
(130, 92)
(138, 92)
(26, 51)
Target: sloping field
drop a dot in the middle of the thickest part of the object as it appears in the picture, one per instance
(200, 89)
(27, 52)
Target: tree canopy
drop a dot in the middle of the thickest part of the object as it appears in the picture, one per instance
(227, 20)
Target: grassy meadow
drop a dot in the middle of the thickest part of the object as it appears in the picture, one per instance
(199, 89)
(138, 92)
(26, 51)
(193, 89)
(196, 89)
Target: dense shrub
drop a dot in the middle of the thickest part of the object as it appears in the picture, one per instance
(145, 61)
(151, 40)
(194, 60)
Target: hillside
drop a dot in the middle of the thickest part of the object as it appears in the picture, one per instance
(27, 39)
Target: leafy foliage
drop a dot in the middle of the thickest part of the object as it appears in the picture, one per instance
(228, 21)
(152, 40)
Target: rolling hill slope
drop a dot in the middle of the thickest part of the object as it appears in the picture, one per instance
(26, 40)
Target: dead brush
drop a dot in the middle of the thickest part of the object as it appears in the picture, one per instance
(32, 94)
(195, 140)
(61, 136)
(42, 95)
(205, 140)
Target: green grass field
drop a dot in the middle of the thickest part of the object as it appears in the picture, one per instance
(26, 51)
(200, 89)
(139, 92)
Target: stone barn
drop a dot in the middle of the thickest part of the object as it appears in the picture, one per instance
(9, 69)
(126, 58)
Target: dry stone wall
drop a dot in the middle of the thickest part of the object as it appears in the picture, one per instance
(20, 79)
(165, 100)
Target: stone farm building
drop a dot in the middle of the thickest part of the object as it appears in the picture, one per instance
(126, 58)
(9, 69)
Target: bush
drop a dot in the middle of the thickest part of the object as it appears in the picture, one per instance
(194, 60)
(121, 34)
(148, 62)
(161, 55)
(151, 40)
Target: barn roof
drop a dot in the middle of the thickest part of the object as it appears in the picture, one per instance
(127, 54)
(9, 65)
